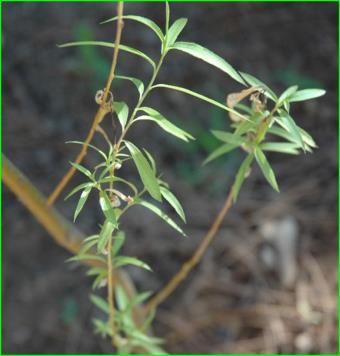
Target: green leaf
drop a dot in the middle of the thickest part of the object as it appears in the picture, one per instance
(220, 151)
(102, 328)
(145, 171)
(100, 303)
(174, 31)
(209, 57)
(287, 122)
(117, 243)
(151, 160)
(256, 82)
(122, 111)
(287, 94)
(266, 168)
(307, 138)
(111, 45)
(86, 246)
(173, 201)
(241, 175)
(120, 261)
(165, 124)
(229, 137)
(138, 83)
(167, 16)
(107, 208)
(105, 234)
(162, 215)
(199, 96)
(79, 258)
(78, 188)
(82, 169)
(91, 146)
(121, 298)
(82, 200)
(282, 147)
(118, 179)
(307, 94)
(143, 20)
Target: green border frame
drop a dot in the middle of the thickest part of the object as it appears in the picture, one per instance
(338, 147)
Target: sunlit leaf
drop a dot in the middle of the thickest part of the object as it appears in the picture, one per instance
(173, 201)
(82, 200)
(266, 168)
(111, 45)
(252, 81)
(120, 261)
(105, 234)
(100, 303)
(286, 95)
(161, 214)
(78, 188)
(143, 20)
(138, 83)
(175, 30)
(220, 151)
(229, 137)
(82, 169)
(89, 145)
(122, 111)
(107, 208)
(241, 174)
(117, 243)
(199, 96)
(306, 94)
(145, 171)
(282, 147)
(209, 57)
(165, 124)
(287, 122)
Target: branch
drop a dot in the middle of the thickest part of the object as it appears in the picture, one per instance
(194, 260)
(60, 229)
(103, 109)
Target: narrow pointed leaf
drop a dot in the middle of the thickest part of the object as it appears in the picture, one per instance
(78, 188)
(111, 45)
(307, 138)
(122, 111)
(162, 215)
(137, 82)
(287, 122)
(199, 96)
(173, 201)
(105, 234)
(121, 261)
(209, 57)
(252, 81)
(241, 174)
(175, 30)
(307, 94)
(82, 169)
(145, 171)
(286, 95)
(143, 20)
(266, 168)
(151, 160)
(118, 241)
(220, 151)
(100, 303)
(89, 145)
(107, 208)
(165, 124)
(229, 137)
(282, 147)
(82, 200)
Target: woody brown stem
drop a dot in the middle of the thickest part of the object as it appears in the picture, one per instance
(194, 260)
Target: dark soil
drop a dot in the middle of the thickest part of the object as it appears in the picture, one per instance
(233, 302)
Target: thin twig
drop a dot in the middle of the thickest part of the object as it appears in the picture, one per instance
(194, 260)
(103, 109)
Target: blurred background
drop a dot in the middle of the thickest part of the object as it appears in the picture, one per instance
(268, 283)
